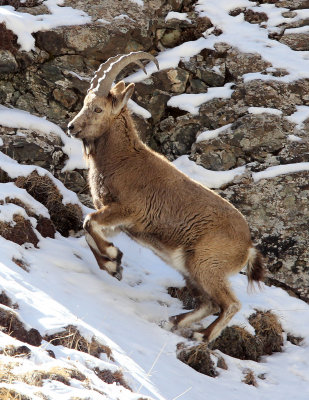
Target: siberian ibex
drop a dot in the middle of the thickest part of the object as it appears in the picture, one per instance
(139, 192)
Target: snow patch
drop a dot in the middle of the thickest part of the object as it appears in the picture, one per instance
(211, 179)
(261, 110)
(207, 135)
(24, 24)
(277, 170)
(177, 15)
(192, 102)
(15, 118)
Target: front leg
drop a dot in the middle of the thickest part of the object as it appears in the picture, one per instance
(100, 224)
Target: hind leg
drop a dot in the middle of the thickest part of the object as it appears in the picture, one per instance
(229, 306)
(186, 319)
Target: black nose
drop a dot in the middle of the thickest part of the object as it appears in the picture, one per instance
(70, 127)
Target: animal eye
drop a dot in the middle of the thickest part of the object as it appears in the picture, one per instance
(98, 110)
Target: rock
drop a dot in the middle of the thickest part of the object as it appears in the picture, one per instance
(269, 94)
(171, 37)
(255, 17)
(294, 4)
(8, 62)
(296, 41)
(65, 217)
(278, 226)
(238, 63)
(66, 97)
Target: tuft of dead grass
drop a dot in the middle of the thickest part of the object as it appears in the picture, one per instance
(269, 331)
(20, 232)
(71, 338)
(249, 378)
(63, 375)
(8, 39)
(11, 325)
(110, 377)
(65, 217)
(237, 342)
(197, 357)
(10, 394)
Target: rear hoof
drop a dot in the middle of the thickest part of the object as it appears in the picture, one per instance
(167, 325)
(199, 337)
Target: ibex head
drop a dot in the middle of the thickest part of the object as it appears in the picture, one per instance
(104, 102)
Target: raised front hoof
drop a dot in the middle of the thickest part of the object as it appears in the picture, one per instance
(113, 268)
(118, 273)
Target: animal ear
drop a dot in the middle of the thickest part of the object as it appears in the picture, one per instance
(118, 88)
(122, 98)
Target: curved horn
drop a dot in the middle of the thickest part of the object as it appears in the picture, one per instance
(100, 72)
(108, 71)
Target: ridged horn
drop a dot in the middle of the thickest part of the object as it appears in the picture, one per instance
(107, 73)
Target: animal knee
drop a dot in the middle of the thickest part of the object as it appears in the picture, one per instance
(87, 223)
(233, 308)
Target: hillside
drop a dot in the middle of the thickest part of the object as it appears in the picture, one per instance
(230, 108)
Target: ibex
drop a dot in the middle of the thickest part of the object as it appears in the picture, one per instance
(139, 192)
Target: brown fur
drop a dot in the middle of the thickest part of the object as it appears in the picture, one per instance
(139, 192)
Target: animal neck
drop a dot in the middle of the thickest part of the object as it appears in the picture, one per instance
(119, 143)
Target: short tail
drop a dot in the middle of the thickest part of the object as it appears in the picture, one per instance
(255, 267)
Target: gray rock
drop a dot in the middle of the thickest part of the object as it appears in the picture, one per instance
(8, 62)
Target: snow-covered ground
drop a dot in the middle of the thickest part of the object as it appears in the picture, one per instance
(64, 285)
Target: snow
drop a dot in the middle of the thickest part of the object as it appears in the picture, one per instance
(177, 15)
(207, 135)
(14, 170)
(24, 24)
(294, 138)
(211, 179)
(277, 170)
(248, 38)
(300, 116)
(10, 191)
(192, 102)
(15, 118)
(125, 315)
(261, 110)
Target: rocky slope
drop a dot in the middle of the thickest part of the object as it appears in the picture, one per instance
(52, 79)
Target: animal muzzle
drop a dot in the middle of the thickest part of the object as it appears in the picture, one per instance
(73, 131)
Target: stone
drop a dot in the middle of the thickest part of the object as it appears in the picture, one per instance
(238, 63)
(278, 226)
(296, 41)
(8, 62)
(171, 37)
(66, 97)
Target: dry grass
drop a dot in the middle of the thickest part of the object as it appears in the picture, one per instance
(72, 339)
(11, 325)
(249, 378)
(10, 394)
(268, 329)
(44, 225)
(8, 40)
(65, 217)
(20, 232)
(110, 377)
(198, 358)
